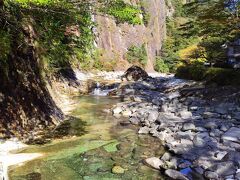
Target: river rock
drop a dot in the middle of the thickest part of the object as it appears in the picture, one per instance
(201, 129)
(153, 115)
(117, 110)
(220, 155)
(126, 113)
(144, 130)
(134, 120)
(118, 170)
(175, 174)
(221, 110)
(223, 128)
(233, 134)
(135, 73)
(201, 139)
(210, 125)
(166, 156)
(184, 164)
(193, 108)
(236, 115)
(237, 176)
(188, 126)
(154, 162)
(215, 133)
(224, 168)
(199, 170)
(207, 115)
(211, 175)
(185, 114)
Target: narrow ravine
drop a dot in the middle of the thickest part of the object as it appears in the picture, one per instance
(109, 149)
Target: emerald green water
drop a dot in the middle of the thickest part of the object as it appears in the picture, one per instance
(103, 145)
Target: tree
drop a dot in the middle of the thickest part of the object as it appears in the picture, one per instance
(217, 22)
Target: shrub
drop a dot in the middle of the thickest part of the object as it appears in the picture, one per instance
(137, 55)
(123, 12)
(161, 66)
(219, 76)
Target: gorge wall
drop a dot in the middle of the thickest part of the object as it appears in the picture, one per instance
(115, 39)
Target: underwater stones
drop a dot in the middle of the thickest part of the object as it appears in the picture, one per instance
(118, 170)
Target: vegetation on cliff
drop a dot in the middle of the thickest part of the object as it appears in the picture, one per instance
(123, 12)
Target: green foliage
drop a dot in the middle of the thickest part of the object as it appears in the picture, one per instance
(4, 45)
(145, 13)
(123, 12)
(28, 3)
(178, 35)
(63, 31)
(216, 24)
(137, 55)
(219, 76)
(161, 66)
(178, 7)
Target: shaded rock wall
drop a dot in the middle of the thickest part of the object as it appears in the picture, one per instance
(114, 39)
(25, 103)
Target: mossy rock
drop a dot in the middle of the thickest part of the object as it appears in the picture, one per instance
(118, 170)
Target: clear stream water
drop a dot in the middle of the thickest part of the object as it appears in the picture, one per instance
(103, 143)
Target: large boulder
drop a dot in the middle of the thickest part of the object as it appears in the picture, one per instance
(135, 73)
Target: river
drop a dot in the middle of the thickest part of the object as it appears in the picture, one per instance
(102, 142)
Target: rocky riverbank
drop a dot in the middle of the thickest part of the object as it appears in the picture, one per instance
(199, 125)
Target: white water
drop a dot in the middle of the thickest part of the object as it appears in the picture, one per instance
(100, 92)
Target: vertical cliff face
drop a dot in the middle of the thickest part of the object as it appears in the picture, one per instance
(114, 39)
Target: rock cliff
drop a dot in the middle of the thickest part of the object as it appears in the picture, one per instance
(115, 39)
